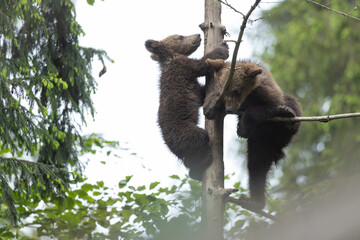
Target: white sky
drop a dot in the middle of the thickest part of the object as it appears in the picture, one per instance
(127, 97)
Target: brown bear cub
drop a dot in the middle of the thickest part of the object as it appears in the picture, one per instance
(181, 96)
(254, 95)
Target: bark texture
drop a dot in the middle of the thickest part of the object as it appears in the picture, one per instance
(213, 179)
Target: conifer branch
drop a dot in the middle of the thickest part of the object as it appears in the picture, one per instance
(8, 198)
(324, 119)
(44, 167)
(330, 9)
(26, 178)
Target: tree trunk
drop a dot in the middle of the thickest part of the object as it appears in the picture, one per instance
(213, 179)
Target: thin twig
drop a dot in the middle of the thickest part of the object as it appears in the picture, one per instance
(233, 41)
(261, 212)
(225, 192)
(228, 5)
(260, 18)
(330, 9)
(323, 119)
(236, 49)
(237, 11)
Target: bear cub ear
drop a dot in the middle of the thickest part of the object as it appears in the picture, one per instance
(157, 49)
(253, 72)
(216, 64)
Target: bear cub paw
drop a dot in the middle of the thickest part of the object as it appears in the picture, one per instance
(209, 107)
(285, 111)
(196, 172)
(221, 51)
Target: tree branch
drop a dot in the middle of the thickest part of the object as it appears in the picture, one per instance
(261, 212)
(323, 119)
(330, 9)
(237, 45)
(225, 2)
(227, 191)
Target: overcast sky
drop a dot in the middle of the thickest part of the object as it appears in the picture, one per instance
(127, 97)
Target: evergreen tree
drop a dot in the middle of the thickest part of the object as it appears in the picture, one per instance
(45, 90)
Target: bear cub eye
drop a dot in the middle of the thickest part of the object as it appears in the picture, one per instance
(181, 37)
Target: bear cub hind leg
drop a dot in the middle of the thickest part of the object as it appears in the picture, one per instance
(198, 153)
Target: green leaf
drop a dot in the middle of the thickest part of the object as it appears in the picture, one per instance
(91, 2)
(141, 188)
(97, 193)
(126, 213)
(8, 235)
(153, 185)
(87, 187)
(124, 182)
(100, 183)
(175, 177)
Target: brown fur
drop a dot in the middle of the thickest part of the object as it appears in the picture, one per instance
(181, 96)
(254, 95)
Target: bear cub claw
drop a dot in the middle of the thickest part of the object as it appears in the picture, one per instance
(285, 111)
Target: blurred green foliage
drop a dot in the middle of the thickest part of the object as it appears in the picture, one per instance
(314, 55)
(94, 211)
(149, 211)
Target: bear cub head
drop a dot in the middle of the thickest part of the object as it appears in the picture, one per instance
(246, 78)
(166, 49)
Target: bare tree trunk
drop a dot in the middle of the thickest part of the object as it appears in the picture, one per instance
(213, 179)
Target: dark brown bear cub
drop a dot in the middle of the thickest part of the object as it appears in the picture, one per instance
(254, 95)
(181, 96)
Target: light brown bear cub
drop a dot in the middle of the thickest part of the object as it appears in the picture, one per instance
(255, 97)
(181, 96)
